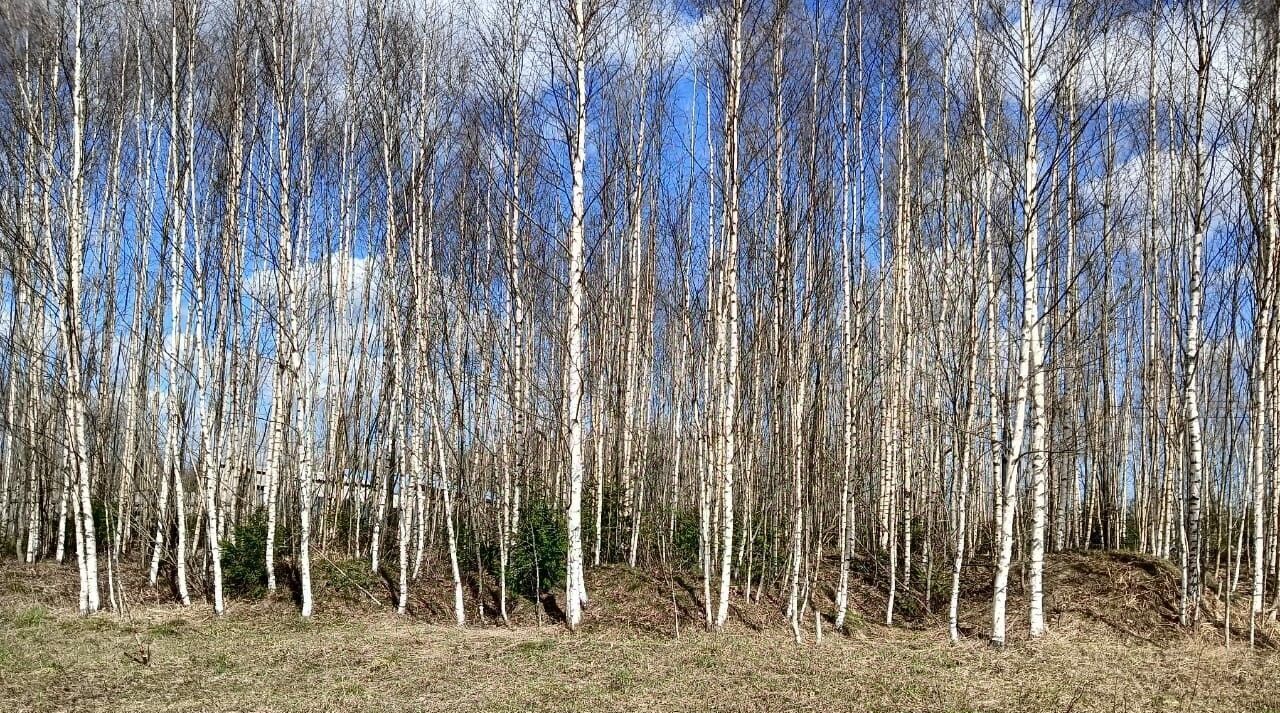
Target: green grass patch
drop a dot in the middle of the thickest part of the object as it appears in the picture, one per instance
(30, 617)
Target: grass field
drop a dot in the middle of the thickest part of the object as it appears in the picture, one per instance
(1113, 645)
(166, 659)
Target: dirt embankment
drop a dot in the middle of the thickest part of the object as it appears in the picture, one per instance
(1125, 595)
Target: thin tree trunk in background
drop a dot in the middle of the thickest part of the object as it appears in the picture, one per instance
(1191, 341)
(1028, 368)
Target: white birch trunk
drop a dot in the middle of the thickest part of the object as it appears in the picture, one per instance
(576, 591)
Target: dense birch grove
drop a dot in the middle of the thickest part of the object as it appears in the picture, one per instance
(779, 294)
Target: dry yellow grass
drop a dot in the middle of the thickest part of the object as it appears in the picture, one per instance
(263, 658)
(1112, 647)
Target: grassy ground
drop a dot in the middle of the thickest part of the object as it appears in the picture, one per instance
(1114, 645)
(264, 658)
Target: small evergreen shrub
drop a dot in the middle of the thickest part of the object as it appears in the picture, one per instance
(244, 561)
(347, 578)
(685, 541)
(538, 555)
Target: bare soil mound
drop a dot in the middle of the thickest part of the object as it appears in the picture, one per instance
(1122, 595)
